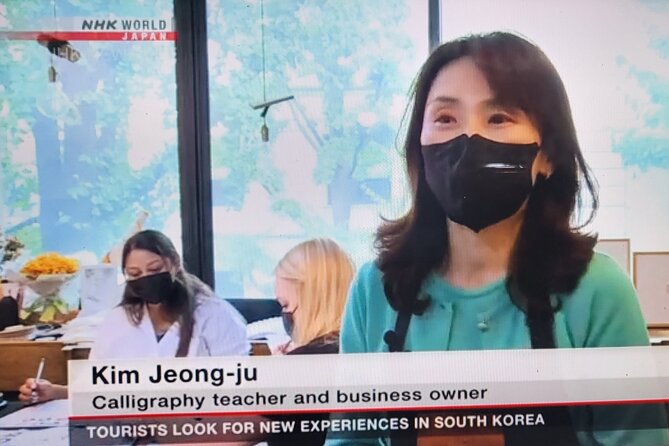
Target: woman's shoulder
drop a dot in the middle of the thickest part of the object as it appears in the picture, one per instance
(221, 327)
(367, 304)
(212, 306)
(114, 329)
(604, 309)
(368, 283)
(115, 316)
(122, 318)
(603, 274)
(327, 344)
(603, 283)
(369, 276)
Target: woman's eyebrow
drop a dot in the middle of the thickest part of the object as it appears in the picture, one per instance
(496, 104)
(444, 100)
(154, 263)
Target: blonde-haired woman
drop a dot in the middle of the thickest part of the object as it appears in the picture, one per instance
(312, 282)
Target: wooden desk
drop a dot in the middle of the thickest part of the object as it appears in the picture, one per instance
(660, 333)
(260, 349)
(20, 360)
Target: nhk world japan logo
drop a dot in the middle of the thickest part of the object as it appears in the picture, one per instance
(97, 28)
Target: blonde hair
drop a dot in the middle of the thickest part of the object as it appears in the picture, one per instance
(321, 273)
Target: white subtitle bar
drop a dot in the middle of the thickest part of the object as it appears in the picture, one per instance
(476, 379)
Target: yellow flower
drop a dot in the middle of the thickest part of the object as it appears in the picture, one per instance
(49, 263)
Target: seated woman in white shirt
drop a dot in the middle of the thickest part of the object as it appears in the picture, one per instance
(165, 312)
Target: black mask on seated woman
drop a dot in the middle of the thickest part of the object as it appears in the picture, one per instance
(152, 289)
(479, 182)
(288, 322)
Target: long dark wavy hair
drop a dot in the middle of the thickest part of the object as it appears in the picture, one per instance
(550, 254)
(181, 305)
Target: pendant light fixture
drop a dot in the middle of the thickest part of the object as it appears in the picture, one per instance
(265, 104)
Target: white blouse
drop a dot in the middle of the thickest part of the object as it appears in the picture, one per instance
(219, 330)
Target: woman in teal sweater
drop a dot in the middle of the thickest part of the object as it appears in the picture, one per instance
(487, 256)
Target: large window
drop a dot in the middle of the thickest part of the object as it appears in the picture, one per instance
(331, 166)
(88, 135)
(613, 57)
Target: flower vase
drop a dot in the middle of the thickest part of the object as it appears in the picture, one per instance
(49, 306)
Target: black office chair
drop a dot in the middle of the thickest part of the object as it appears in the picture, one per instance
(256, 309)
(9, 312)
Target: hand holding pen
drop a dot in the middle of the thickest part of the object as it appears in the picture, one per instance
(38, 377)
(37, 390)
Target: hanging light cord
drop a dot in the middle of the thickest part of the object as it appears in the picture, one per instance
(55, 21)
(262, 40)
(262, 43)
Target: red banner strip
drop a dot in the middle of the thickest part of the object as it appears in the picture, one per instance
(116, 36)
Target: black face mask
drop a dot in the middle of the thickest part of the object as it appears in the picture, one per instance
(152, 289)
(479, 182)
(288, 322)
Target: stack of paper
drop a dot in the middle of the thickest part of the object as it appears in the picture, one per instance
(82, 329)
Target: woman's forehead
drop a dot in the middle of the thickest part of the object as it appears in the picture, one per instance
(142, 257)
(459, 83)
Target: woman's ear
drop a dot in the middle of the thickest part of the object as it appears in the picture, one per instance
(542, 165)
(172, 267)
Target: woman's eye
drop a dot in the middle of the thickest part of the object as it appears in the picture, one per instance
(500, 118)
(445, 119)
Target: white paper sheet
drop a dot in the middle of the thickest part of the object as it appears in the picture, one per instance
(271, 330)
(49, 414)
(55, 436)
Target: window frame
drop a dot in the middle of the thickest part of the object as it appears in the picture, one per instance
(194, 131)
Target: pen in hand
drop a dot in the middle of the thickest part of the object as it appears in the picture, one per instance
(40, 368)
